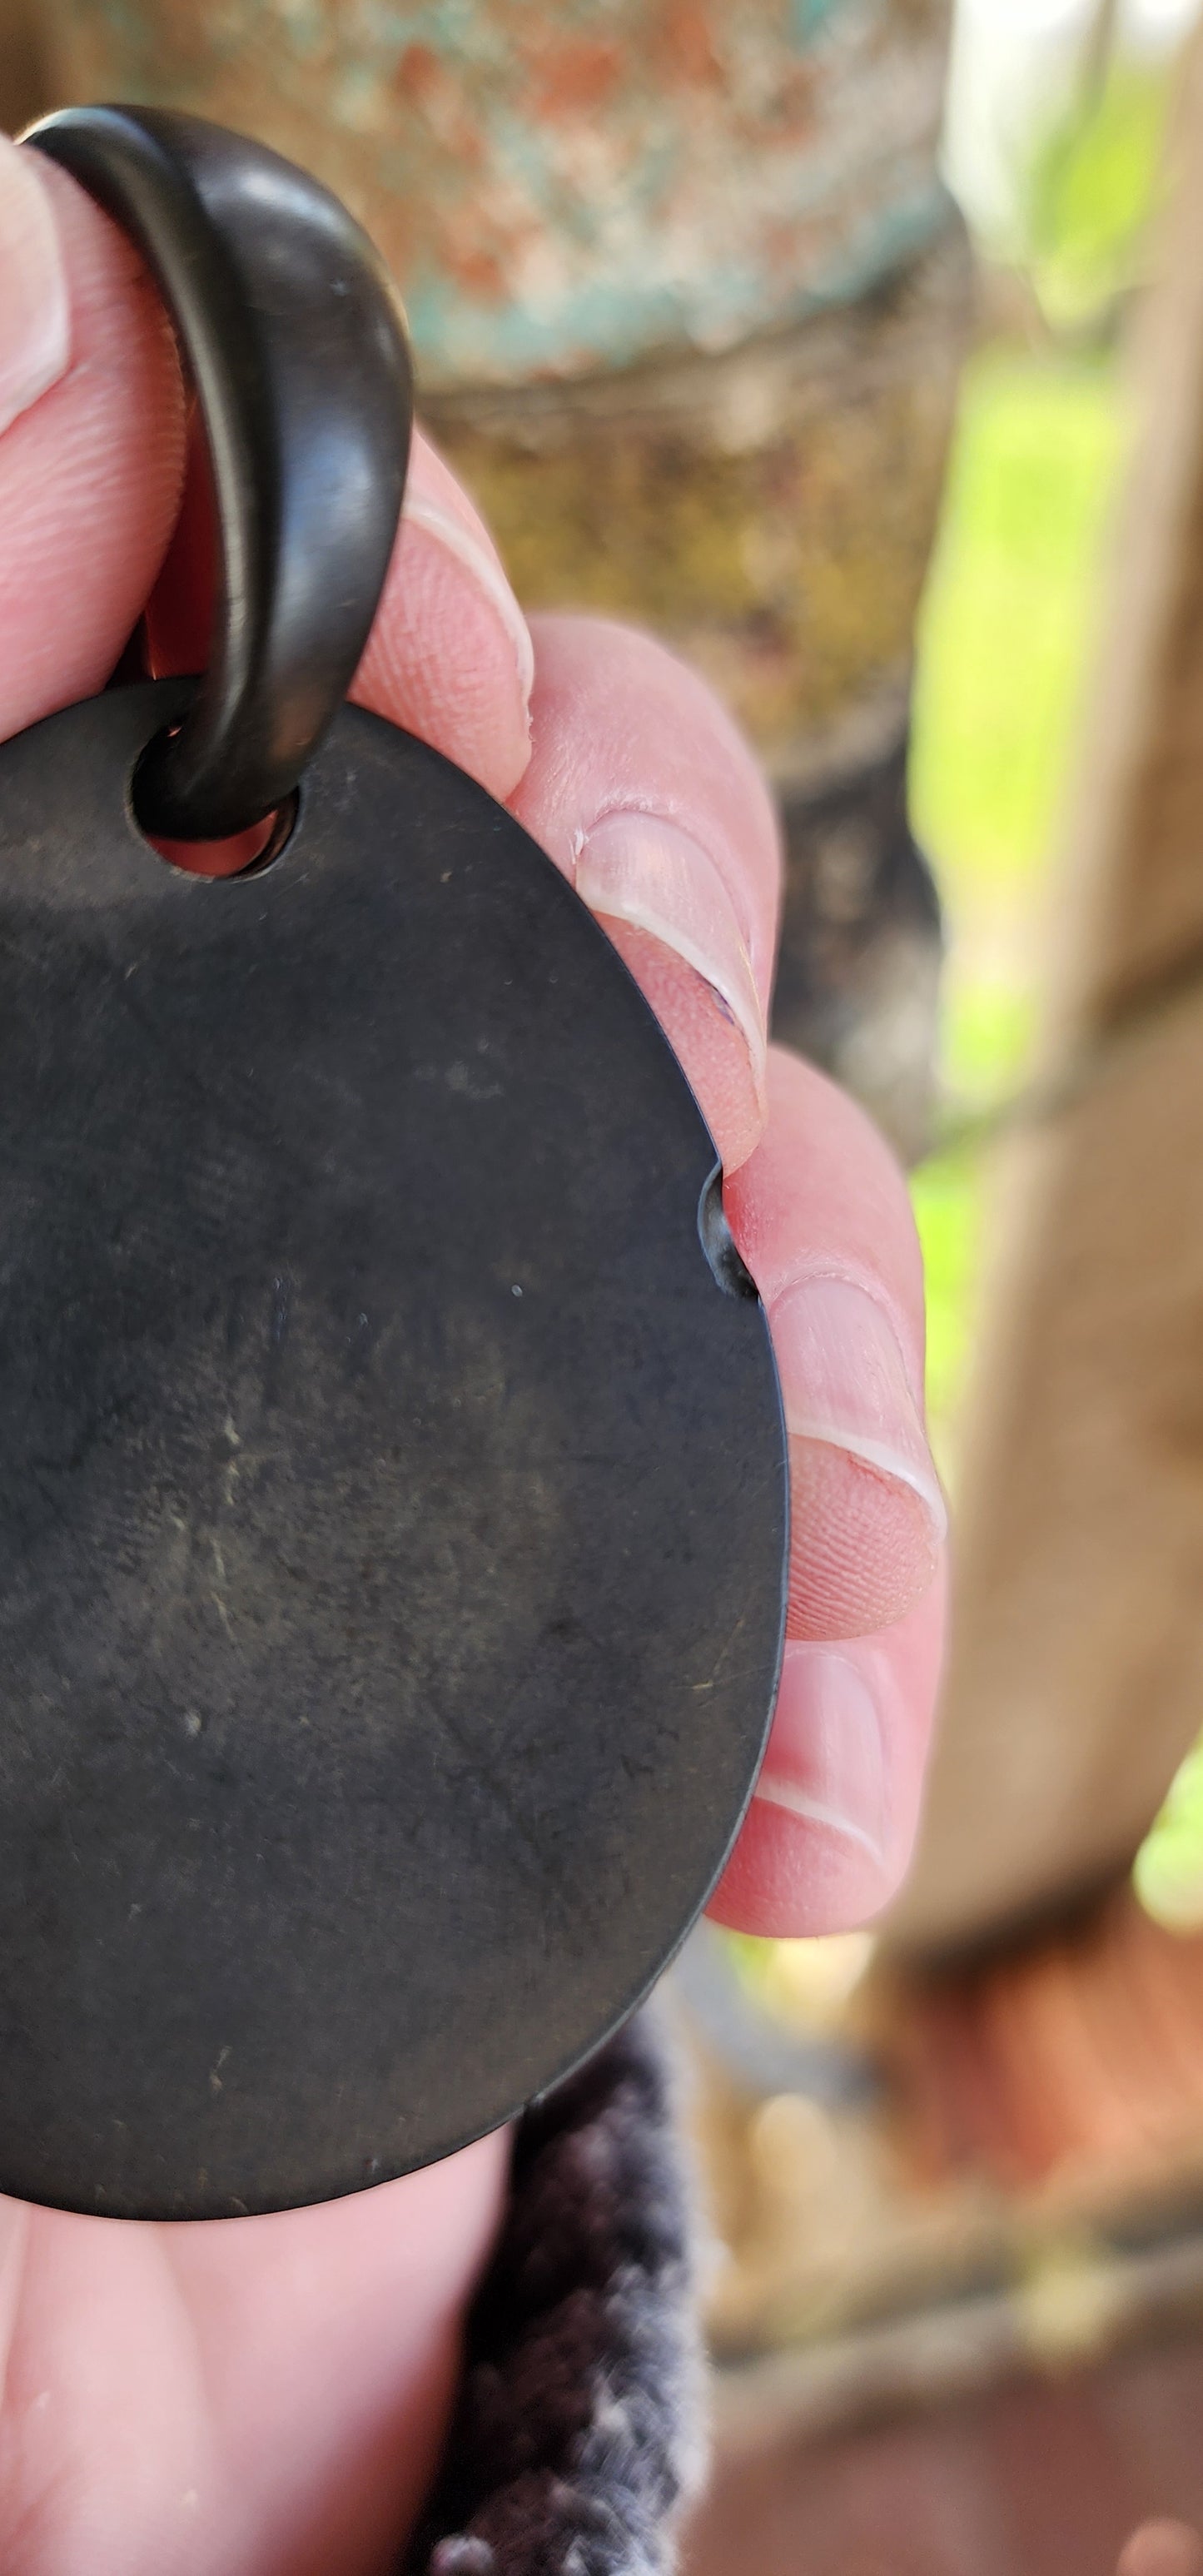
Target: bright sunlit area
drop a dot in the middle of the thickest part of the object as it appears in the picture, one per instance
(1056, 118)
(1056, 124)
(1057, 115)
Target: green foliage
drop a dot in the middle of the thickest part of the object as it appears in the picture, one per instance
(946, 1197)
(1169, 1867)
(1087, 192)
(1012, 606)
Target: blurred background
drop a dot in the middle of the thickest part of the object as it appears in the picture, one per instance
(856, 346)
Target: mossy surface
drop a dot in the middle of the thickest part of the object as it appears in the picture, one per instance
(790, 575)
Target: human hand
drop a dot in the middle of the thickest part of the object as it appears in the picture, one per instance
(1162, 2549)
(267, 2395)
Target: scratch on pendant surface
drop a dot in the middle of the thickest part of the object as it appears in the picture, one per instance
(723, 1652)
(218, 1598)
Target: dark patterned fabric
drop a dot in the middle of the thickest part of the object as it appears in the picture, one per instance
(576, 2437)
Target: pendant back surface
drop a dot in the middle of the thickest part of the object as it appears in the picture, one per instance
(393, 1524)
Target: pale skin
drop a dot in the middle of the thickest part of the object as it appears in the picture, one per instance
(1162, 2549)
(265, 2397)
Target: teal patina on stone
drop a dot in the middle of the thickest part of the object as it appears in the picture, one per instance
(580, 187)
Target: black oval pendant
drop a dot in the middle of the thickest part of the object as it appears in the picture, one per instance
(394, 1512)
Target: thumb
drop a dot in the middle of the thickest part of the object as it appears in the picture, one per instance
(91, 439)
(1162, 2549)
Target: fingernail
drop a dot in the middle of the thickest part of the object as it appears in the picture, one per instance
(643, 870)
(422, 512)
(826, 1760)
(35, 320)
(844, 1381)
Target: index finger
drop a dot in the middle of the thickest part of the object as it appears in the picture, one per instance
(92, 471)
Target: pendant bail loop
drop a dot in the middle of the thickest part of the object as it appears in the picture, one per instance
(293, 337)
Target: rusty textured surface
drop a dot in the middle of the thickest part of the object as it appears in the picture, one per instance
(563, 188)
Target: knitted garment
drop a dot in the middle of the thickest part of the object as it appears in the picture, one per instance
(576, 2435)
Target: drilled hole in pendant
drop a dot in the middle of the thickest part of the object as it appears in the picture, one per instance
(245, 854)
(242, 854)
